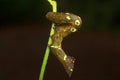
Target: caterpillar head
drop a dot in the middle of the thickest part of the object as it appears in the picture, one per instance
(61, 18)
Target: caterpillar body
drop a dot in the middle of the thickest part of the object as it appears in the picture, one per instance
(65, 24)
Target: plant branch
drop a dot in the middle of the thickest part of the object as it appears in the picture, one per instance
(47, 51)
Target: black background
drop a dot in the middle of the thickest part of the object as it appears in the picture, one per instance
(24, 32)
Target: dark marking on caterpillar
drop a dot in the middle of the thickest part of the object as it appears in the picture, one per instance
(65, 24)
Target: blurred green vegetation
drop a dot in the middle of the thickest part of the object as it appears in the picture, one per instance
(96, 14)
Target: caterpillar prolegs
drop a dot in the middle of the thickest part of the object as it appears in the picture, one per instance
(65, 23)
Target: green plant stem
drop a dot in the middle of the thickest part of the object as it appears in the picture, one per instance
(47, 51)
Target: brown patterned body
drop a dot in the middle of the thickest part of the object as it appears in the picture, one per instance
(66, 23)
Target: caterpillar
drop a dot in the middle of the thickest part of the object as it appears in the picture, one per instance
(65, 24)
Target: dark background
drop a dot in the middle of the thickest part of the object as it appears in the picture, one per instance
(24, 32)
